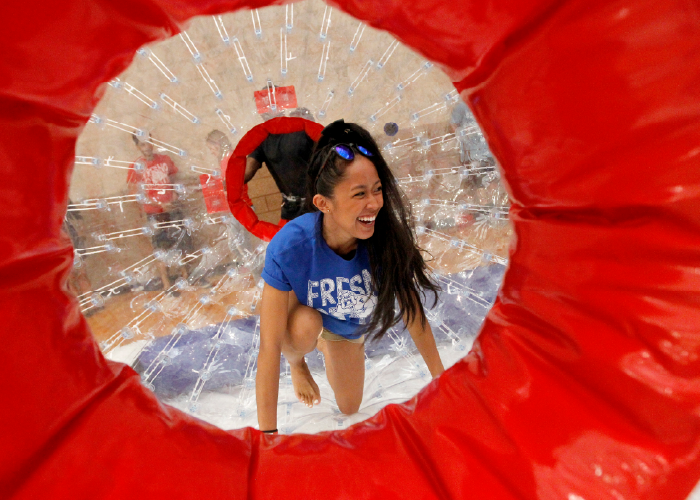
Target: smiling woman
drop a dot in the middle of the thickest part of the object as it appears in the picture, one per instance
(346, 189)
(335, 246)
(583, 382)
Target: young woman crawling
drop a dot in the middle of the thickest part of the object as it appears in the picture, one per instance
(333, 276)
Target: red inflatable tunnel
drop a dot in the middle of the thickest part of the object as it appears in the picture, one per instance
(235, 173)
(585, 380)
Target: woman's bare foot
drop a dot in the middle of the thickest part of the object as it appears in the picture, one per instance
(305, 387)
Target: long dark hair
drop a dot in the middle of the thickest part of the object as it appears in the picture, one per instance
(399, 272)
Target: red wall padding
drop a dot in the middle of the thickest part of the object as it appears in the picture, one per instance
(584, 382)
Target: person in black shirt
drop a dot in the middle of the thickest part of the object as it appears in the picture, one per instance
(287, 158)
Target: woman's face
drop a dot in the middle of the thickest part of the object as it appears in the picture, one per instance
(357, 199)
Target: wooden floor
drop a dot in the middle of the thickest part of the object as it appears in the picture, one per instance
(131, 308)
(265, 195)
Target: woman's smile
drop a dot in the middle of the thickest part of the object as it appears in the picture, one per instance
(367, 222)
(352, 212)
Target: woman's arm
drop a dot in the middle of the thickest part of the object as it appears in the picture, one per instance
(273, 324)
(425, 342)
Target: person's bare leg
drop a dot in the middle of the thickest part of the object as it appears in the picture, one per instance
(345, 368)
(303, 326)
(83, 281)
(183, 272)
(163, 271)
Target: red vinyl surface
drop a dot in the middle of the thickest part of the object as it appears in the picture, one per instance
(235, 173)
(584, 382)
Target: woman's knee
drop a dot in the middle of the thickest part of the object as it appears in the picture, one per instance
(304, 319)
(350, 406)
(304, 324)
(350, 399)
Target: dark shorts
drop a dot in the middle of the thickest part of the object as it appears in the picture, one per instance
(170, 237)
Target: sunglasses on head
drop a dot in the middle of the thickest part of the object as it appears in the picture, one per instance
(345, 151)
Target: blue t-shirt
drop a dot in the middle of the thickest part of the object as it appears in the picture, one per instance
(299, 259)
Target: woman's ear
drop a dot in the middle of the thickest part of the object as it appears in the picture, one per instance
(322, 203)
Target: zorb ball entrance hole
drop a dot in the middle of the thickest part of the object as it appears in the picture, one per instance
(173, 292)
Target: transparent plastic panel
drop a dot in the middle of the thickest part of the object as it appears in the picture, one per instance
(175, 294)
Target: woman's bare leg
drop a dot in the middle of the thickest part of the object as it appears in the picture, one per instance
(303, 326)
(345, 368)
